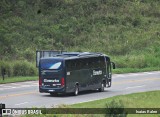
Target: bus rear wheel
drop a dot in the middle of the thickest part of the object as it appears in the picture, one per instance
(76, 90)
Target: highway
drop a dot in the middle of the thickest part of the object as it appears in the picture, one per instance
(26, 94)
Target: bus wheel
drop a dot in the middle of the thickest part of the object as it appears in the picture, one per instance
(76, 90)
(102, 87)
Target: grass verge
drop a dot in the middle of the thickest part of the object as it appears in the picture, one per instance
(17, 79)
(136, 100)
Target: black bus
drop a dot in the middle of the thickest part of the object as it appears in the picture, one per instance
(71, 72)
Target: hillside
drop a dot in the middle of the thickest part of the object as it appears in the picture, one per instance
(126, 30)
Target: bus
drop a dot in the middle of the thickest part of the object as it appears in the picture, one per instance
(72, 72)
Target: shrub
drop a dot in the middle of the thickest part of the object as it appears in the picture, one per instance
(137, 61)
(132, 61)
(29, 54)
(115, 109)
(24, 68)
(7, 66)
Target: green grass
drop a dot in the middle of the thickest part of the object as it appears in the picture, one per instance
(17, 79)
(117, 28)
(136, 100)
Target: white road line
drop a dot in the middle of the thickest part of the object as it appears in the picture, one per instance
(134, 87)
(21, 103)
(135, 74)
(124, 75)
(12, 87)
(24, 86)
(13, 83)
(7, 88)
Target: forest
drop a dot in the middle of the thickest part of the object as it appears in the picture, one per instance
(126, 30)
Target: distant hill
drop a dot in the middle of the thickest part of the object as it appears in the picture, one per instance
(127, 30)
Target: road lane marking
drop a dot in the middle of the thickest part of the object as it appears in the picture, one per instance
(19, 94)
(135, 87)
(7, 88)
(131, 81)
(21, 103)
(12, 87)
(25, 86)
(122, 82)
(135, 74)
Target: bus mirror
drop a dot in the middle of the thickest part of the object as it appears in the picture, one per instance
(113, 65)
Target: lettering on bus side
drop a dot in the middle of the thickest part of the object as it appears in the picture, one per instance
(95, 73)
(55, 80)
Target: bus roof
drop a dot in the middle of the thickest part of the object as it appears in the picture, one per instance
(75, 55)
(63, 55)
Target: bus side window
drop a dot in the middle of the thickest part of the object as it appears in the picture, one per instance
(76, 64)
(90, 63)
(99, 63)
(87, 63)
(83, 64)
(80, 65)
(67, 65)
(95, 62)
(73, 65)
(70, 65)
(102, 62)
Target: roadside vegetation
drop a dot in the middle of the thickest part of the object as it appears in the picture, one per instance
(137, 100)
(18, 79)
(126, 30)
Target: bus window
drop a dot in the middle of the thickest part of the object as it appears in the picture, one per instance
(86, 63)
(95, 62)
(50, 64)
(90, 63)
(102, 62)
(68, 65)
(98, 63)
(78, 64)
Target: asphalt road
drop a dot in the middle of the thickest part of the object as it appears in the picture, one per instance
(26, 95)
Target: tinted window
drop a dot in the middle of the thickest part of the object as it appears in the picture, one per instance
(101, 62)
(97, 62)
(70, 65)
(50, 64)
(79, 64)
(85, 63)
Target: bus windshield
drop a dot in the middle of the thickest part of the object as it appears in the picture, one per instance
(50, 64)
